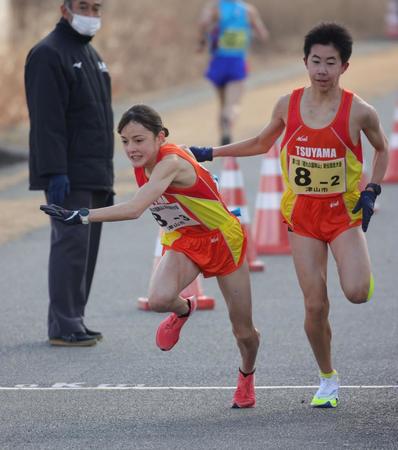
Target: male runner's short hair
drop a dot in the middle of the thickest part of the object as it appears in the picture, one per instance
(330, 33)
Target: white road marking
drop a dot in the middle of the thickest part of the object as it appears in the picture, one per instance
(139, 387)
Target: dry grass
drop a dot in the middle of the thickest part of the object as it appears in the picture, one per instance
(150, 46)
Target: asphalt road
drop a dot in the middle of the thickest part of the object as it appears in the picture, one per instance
(126, 394)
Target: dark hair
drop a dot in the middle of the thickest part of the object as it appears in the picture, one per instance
(146, 116)
(330, 33)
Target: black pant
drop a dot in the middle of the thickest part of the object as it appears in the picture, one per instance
(73, 255)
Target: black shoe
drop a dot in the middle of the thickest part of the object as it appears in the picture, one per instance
(78, 339)
(94, 334)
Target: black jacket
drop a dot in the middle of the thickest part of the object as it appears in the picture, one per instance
(68, 92)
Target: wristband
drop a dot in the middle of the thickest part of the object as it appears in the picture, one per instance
(375, 187)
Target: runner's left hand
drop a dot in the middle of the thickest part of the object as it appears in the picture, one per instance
(64, 215)
(366, 202)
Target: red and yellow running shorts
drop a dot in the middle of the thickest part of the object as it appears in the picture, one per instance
(321, 218)
(217, 253)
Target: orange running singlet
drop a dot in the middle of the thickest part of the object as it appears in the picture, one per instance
(321, 171)
(196, 221)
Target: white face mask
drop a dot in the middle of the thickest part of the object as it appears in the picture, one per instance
(87, 26)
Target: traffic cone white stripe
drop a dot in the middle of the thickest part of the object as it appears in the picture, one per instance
(231, 179)
(268, 200)
(270, 166)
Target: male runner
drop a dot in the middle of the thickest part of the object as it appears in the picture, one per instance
(321, 159)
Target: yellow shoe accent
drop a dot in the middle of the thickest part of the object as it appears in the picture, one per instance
(331, 402)
(327, 375)
(371, 287)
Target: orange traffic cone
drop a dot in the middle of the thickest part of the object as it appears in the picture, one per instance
(203, 301)
(391, 175)
(269, 231)
(391, 20)
(231, 188)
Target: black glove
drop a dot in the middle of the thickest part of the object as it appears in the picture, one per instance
(202, 153)
(58, 189)
(366, 202)
(67, 216)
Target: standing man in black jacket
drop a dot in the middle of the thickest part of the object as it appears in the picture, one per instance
(68, 92)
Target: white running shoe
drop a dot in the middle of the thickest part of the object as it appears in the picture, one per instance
(327, 396)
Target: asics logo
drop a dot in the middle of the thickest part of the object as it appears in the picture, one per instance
(78, 65)
(334, 204)
(213, 240)
(302, 138)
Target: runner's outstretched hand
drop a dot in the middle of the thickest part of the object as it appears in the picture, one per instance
(65, 215)
(366, 202)
(202, 153)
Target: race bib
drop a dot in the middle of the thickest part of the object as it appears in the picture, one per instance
(233, 39)
(170, 216)
(308, 176)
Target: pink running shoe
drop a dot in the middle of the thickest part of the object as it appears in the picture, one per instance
(245, 396)
(169, 329)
